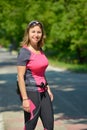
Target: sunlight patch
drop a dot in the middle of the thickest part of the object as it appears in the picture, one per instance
(2, 81)
(68, 89)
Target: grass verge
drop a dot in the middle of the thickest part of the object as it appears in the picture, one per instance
(72, 67)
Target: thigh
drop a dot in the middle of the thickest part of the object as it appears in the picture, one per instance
(32, 117)
(47, 112)
(30, 124)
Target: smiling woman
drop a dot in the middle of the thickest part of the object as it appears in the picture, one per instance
(34, 90)
(35, 34)
(31, 25)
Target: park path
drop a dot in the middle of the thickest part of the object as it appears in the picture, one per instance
(70, 97)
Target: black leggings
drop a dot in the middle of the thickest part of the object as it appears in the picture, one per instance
(41, 106)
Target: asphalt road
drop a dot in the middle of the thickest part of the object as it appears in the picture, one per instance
(69, 89)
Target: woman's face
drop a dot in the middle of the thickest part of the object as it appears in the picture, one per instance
(35, 34)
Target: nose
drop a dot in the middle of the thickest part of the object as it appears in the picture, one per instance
(36, 33)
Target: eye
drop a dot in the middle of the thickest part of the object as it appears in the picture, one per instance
(33, 31)
(39, 32)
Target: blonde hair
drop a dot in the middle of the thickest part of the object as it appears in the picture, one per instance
(26, 40)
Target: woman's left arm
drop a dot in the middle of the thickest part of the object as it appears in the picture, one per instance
(50, 92)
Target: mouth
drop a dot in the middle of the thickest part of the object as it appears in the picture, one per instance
(36, 39)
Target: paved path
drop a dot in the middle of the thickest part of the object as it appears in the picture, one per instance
(70, 97)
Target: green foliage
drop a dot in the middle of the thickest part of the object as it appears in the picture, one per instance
(65, 23)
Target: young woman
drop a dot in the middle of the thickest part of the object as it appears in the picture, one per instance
(34, 90)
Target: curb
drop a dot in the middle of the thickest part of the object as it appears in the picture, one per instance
(1, 122)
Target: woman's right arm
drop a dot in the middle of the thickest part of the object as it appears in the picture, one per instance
(21, 71)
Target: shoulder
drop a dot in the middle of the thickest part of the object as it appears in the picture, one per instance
(24, 53)
(23, 56)
(24, 50)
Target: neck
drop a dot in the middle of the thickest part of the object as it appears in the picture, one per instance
(35, 49)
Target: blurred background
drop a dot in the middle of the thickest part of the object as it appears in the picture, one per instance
(65, 24)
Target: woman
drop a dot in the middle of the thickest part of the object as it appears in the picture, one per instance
(34, 90)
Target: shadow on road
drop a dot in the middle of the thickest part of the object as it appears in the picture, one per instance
(70, 94)
(9, 100)
(7, 63)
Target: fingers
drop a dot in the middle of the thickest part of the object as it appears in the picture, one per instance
(51, 96)
(26, 105)
(26, 109)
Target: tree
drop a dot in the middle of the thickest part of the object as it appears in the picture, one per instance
(65, 23)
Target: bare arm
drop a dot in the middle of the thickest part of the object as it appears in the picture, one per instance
(50, 93)
(21, 71)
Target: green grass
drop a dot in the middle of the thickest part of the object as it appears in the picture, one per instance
(72, 67)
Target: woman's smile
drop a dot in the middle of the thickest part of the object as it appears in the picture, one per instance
(35, 34)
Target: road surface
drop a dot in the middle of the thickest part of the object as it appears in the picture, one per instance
(70, 97)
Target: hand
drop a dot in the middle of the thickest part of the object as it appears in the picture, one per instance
(50, 93)
(26, 105)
